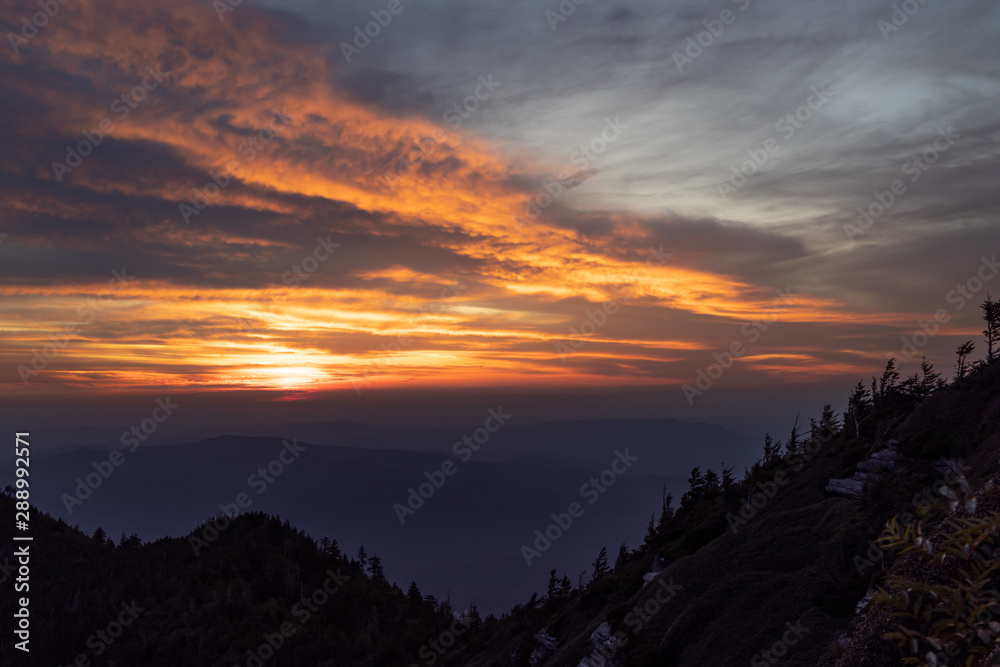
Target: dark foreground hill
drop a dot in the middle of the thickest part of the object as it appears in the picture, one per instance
(259, 592)
(769, 569)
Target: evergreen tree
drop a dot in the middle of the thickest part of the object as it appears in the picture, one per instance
(651, 531)
(793, 438)
(101, 537)
(332, 549)
(859, 407)
(363, 557)
(413, 594)
(473, 619)
(991, 313)
(771, 450)
(696, 485)
(600, 565)
(552, 592)
(890, 376)
(963, 352)
(829, 423)
(666, 513)
(931, 380)
(375, 569)
(565, 587)
(696, 481)
(622, 557)
(728, 482)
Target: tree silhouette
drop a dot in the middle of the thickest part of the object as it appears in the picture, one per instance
(991, 313)
(793, 438)
(890, 376)
(600, 565)
(362, 557)
(963, 352)
(622, 557)
(772, 450)
(375, 569)
(859, 408)
(931, 380)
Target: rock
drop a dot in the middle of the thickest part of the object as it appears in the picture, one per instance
(886, 458)
(847, 487)
(603, 645)
(547, 640)
(546, 644)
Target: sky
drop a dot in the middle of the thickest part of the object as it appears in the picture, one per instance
(722, 209)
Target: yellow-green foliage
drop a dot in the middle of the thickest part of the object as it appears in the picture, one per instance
(948, 600)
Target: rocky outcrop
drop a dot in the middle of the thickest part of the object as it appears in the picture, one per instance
(885, 459)
(603, 647)
(546, 645)
(850, 487)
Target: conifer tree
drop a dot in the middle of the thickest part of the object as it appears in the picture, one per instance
(622, 557)
(600, 565)
(552, 592)
(859, 407)
(963, 352)
(991, 313)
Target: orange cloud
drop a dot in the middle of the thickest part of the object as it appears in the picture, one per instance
(252, 124)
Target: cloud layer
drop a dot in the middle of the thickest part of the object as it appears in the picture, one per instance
(485, 194)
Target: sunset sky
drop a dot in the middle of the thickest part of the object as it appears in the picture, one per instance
(281, 219)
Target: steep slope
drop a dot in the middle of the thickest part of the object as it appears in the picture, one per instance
(778, 585)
